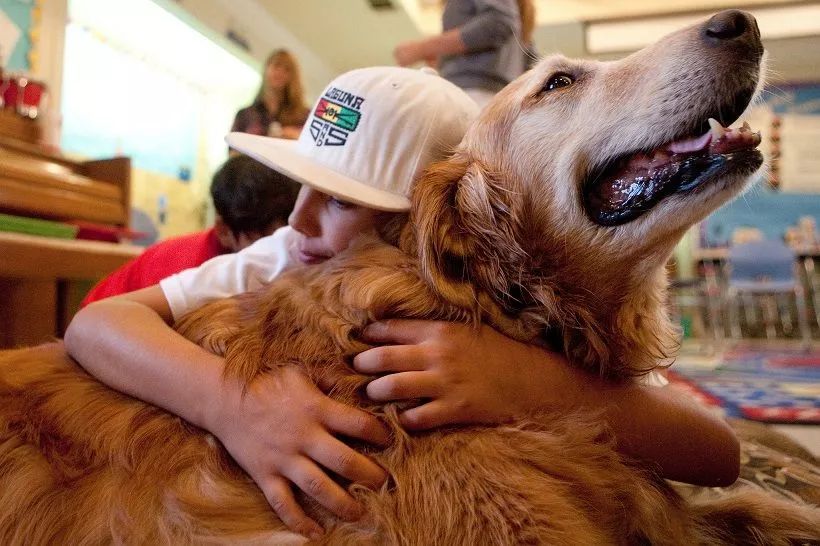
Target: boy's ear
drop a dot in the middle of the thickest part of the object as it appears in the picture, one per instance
(225, 235)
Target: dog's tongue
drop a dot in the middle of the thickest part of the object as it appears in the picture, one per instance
(719, 139)
(690, 145)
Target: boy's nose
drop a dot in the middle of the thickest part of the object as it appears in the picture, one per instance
(303, 216)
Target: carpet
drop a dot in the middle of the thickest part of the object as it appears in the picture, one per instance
(773, 385)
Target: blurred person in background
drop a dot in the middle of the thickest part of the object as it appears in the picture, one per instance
(251, 201)
(279, 108)
(485, 44)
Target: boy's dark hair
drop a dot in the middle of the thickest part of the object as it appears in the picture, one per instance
(250, 196)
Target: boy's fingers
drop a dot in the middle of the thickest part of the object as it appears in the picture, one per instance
(280, 497)
(430, 415)
(389, 358)
(403, 386)
(397, 331)
(344, 461)
(318, 485)
(354, 423)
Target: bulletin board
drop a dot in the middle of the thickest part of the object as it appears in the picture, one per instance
(17, 24)
(789, 120)
(797, 125)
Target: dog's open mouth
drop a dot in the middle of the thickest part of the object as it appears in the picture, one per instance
(634, 183)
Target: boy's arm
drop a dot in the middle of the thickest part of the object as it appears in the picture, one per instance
(282, 430)
(439, 361)
(126, 343)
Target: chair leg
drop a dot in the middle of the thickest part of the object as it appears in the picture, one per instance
(814, 290)
(750, 302)
(769, 316)
(714, 306)
(734, 319)
(802, 318)
(785, 314)
(713, 324)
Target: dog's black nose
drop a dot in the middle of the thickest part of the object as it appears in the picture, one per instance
(727, 25)
(735, 31)
(731, 24)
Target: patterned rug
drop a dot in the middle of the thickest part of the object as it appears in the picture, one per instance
(779, 385)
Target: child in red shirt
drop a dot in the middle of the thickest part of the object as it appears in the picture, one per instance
(251, 201)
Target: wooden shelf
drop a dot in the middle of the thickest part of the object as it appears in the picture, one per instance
(38, 276)
(30, 256)
(42, 279)
(36, 181)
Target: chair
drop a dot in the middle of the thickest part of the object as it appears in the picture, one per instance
(764, 269)
(701, 297)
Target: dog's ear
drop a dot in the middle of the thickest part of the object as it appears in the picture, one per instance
(465, 232)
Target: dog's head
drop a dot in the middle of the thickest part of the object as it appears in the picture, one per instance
(566, 197)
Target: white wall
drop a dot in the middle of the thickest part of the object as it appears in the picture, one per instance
(263, 34)
(216, 17)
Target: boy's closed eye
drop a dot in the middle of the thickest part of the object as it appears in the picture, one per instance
(338, 203)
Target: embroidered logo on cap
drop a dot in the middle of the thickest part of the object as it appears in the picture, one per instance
(336, 116)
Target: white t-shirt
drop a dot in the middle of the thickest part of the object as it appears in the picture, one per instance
(230, 274)
(250, 268)
(654, 379)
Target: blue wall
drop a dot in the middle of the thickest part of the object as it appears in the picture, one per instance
(770, 211)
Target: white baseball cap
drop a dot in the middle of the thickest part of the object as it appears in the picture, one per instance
(370, 134)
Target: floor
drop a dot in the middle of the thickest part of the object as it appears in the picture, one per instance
(806, 435)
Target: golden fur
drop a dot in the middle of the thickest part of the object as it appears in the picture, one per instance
(498, 234)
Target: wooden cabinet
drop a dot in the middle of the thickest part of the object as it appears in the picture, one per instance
(41, 278)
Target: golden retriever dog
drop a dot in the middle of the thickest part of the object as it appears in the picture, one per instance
(551, 222)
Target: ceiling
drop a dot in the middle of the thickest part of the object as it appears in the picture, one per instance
(345, 33)
(426, 14)
(562, 11)
(350, 33)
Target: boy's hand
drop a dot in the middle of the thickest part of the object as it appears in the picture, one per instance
(468, 376)
(282, 431)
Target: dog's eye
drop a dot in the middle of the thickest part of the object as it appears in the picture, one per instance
(557, 81)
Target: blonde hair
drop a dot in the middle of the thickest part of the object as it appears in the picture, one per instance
(526, 10)
(292, 109)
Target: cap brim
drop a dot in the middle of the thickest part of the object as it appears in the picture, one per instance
(282, 156)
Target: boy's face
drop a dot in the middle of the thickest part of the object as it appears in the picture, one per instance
(327, 225)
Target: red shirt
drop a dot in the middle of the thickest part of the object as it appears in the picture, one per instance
(157, 262)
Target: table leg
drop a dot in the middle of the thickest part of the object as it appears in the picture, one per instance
(28, 312)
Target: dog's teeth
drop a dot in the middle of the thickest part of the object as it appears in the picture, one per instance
(717, 129)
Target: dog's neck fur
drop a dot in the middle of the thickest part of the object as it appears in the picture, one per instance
(469, 245)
